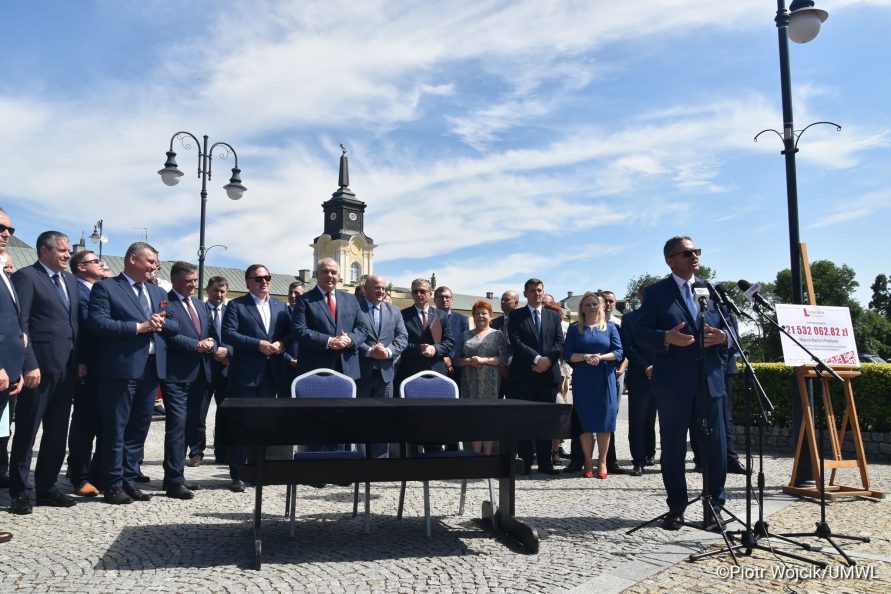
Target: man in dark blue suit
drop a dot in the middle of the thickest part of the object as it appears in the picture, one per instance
(128, 315)
(188, 373)
(458, 324)
(386, 340)
(84, 469)
(48, 302)
(669, 324)
(13, 342)
(641, 404)
(259, 330)
(536, 340)
(509, 302)
(328, 325)
(430, 338)
(218, 388)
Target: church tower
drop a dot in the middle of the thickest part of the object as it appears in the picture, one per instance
(344, 237)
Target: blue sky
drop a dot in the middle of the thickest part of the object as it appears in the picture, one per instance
(491, 141)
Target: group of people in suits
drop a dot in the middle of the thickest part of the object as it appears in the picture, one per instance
(108, 344)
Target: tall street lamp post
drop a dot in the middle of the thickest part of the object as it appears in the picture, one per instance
(98, 237)
(170, 175)
(801, 25)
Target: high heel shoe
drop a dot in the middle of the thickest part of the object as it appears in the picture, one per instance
(588, 474)
(601, 475)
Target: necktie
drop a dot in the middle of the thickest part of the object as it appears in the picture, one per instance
(332, 307)
(217, 322)
(193, 314)
(376, 318)
(424, 318)
(537, 319)
(691, 303)
(62, 295)
(143, 301)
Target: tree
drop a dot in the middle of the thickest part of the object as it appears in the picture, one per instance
(833, 285)
(873, 332)
(881, 296)
(631, 300)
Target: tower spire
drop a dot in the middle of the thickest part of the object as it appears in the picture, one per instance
(344, 179)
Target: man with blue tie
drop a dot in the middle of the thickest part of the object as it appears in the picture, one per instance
(188, 373)
(48, 302)
(128, 315)
(536, 340)
(328, 325)
(670, 321)
(386, 340)
(218, 388)
(258, 328)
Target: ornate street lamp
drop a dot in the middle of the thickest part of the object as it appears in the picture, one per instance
(98, 237)
(170, 175)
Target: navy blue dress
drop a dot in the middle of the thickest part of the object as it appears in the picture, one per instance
(594, 386)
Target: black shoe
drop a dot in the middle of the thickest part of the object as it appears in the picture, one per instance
(236, 486)
(4, 480)
(735, 467)
(673, 522)
(179, 491)
(548, 470)
(141, 478)
(116, 497)
(572, 468)
(20, 505)
(192, 486)
(527, 469)
(136, 494)
(637, 470)
(56, 498)
(194, 461)
(615, 469)
(714, 523)
(562, 453)
(651, 461)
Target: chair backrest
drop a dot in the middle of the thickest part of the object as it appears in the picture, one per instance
(323, 383)
(428, 384)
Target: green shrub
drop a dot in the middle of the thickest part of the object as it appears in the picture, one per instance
(872, 395)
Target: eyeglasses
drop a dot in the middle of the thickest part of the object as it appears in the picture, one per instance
(419, 291)
(5, 228)
(261, 279)
(688, 253)
(93, 261)
(444, 297)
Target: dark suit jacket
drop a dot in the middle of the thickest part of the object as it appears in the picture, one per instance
(12, 340)
(458, 324)
(639, 357)
(412, 361)
(393, 335)
(218, 369)
(86, 342)
(51, 326)
(114, 312)
(313, 326)
(184, 362)
(525, 344)
(676, 370)
(243, 329)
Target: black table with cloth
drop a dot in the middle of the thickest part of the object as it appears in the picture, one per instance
(259, 423)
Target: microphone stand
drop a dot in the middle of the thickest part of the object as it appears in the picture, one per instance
(747, 536)
(709, 505)
(822, 530)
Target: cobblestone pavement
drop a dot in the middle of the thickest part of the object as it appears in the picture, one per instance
(204, 545)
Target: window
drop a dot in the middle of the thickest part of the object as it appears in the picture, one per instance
(355, 273)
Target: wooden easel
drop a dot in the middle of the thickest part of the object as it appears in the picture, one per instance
(808, 431)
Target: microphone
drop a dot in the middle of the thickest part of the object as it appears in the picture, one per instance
(726, 300)
(701, 292)
(751, 293)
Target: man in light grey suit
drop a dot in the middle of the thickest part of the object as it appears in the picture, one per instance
(386, 340)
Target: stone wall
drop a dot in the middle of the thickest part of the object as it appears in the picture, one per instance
(783, 440)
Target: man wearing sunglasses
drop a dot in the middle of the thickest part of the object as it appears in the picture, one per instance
(83, 469)
(258, 328)
(669, 323)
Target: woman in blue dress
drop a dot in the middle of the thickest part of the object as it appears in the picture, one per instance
(593, 349)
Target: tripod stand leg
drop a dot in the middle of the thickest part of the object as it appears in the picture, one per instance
(670, 512)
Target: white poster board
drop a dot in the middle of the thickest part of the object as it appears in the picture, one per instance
(825, 330)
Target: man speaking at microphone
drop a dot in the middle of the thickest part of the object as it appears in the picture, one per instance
(669, 323)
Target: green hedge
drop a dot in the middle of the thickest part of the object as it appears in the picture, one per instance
(872, 395)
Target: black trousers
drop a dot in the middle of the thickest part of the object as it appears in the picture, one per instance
(539, 388)
(641, 420)
(83, 464)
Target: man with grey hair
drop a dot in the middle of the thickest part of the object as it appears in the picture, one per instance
(128, 315)
(48, 304)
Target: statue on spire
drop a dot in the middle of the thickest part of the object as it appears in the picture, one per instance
(344, 180)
